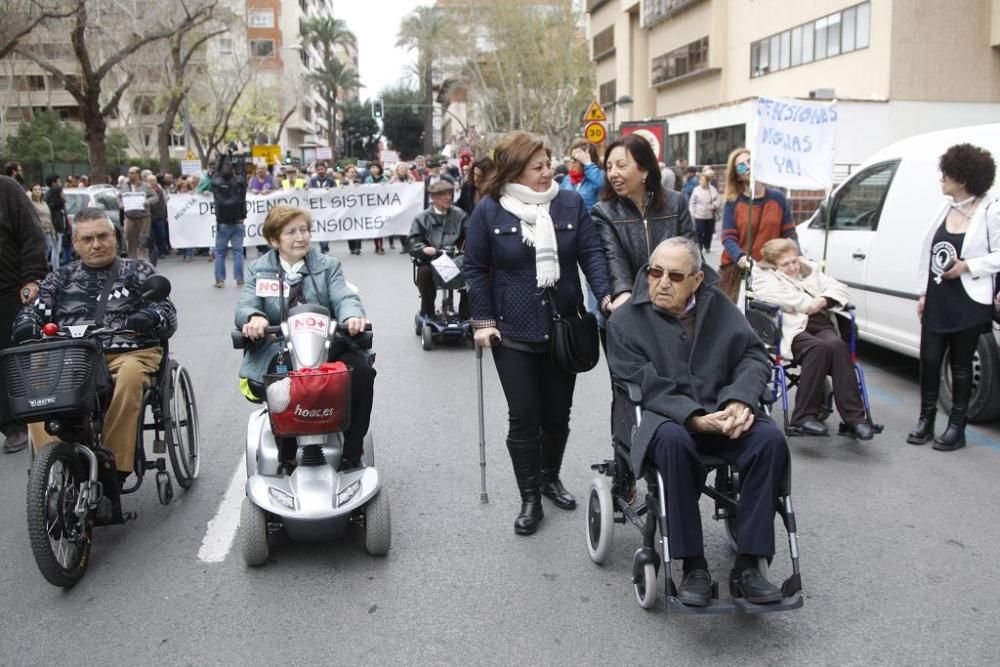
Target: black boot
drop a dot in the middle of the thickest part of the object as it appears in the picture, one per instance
(961, 391)
(924, 431)
(553, 447)
(953, 437)
(524, 454)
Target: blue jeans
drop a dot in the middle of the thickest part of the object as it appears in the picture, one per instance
(159, 230)
(226, 234)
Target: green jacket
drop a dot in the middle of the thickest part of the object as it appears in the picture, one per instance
(323, 284)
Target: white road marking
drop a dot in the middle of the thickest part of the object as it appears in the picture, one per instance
(222, 528)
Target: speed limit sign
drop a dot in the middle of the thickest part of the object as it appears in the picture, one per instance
(595, 132)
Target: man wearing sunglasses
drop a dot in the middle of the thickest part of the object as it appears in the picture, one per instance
(702, 371)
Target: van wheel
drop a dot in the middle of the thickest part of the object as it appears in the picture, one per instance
(984, 405)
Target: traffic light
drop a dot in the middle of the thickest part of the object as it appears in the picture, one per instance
(376, 108)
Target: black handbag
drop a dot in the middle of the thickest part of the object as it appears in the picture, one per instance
(575, 341)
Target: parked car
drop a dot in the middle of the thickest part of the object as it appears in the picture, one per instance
(878, 218)
(103, 197)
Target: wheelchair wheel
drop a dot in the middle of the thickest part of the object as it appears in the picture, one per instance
(600, 520)
(724, 483)
(253, 534)
(180, 409)
(378, 524)
(427, 338)
(644, 583)
(60, 539)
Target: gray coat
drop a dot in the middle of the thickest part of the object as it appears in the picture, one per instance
(323, 284)
(436, 231)
(682, 378)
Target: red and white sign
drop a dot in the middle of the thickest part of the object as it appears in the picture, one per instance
(269, 287)
(306, 323)
(324, 153)
(654, 131)
(389, 157)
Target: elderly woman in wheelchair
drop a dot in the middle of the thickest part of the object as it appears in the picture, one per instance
(691, 373)
(807, 335)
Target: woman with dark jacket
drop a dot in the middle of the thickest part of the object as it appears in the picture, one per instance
(635, 212)
(524, 244)
(961, 255)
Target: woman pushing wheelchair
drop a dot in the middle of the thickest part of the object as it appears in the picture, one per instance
(807, 298)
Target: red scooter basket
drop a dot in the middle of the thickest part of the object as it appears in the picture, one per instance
(310, 401)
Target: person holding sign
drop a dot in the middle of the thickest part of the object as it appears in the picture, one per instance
(433, 232)
(742, 238)
(137, 197)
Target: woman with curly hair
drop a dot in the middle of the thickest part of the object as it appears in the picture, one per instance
(962, 254)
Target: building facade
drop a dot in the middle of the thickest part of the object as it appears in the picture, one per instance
(896, 67)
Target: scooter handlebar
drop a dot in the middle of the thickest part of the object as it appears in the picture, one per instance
(363, 339)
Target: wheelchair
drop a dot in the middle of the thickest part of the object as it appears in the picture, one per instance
(766, 320)
(614, 498)
(446, 325)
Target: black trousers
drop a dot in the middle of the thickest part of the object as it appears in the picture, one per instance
(539, 394)
(10, 306)
(961, 347)
(704, 230)
(821, 351)
(428, 293)
(760, 455)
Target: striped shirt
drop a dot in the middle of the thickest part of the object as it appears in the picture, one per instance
(772, 219)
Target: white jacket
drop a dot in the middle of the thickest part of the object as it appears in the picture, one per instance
(982, 257)
(793, 296)
(704, 204)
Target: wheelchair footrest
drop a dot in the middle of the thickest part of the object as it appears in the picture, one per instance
(735, 606)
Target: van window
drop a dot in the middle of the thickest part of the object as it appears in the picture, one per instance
(859, 203)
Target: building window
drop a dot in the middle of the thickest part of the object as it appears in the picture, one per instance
(604, 43)
(654, 11)
(262, 18)
(262, 48)
(841, 32)
(177, 140)
(307, 115)
(677, 147)
(713, 146)
(225, 46)
(679, 62)
(33, 82)
(143, 105)
(608, 92)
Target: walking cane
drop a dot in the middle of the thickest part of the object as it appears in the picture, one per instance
(483, 496)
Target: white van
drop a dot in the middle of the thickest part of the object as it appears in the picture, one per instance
(878, 219)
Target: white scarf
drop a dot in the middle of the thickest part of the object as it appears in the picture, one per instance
(537, 230)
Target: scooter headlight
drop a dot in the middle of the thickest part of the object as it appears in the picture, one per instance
(284, 499)
(345, 496)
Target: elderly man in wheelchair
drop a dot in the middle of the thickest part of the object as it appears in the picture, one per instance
(701, 372)
(107, 291)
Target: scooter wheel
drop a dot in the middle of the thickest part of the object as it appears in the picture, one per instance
(253, 534)
(427, 338)
(378, 525)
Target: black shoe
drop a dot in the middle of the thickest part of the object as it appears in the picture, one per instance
(696, 589)
(924, 431)
(531, 514)
(752, 585)
(863, 431)
(953, 438)
(347, 464)
(813, 427)
(557, 493)
(15, 442)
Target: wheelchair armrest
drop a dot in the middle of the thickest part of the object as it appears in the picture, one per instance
(764, 307)
(630, 390)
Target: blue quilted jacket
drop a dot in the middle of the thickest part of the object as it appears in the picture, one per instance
(500, 268)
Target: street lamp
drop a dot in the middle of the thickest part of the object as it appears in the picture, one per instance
(52, 150)
(622, 101)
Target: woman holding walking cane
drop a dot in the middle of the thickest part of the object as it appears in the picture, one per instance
(524, 242)
(747, 225)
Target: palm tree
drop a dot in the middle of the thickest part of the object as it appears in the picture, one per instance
(423, 30)
(326, 34)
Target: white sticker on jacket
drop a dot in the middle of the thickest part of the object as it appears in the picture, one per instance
(269, 287)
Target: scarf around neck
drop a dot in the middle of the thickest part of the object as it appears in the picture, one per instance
(537, 230)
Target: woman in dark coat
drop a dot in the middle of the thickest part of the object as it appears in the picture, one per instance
(635, 212)
(524, 244)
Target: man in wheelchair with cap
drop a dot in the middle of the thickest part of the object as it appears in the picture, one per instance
(434, 231)
(702, 372)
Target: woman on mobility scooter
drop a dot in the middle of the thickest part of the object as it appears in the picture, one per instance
(524, 243)
(807, 297)
(309, 277)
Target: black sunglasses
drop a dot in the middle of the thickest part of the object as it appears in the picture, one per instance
(674, 276)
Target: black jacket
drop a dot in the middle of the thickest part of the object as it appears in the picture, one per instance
(630, 236)
(684, 376)
(230, 193)
(57, 208)
(437, 231)
(23, 255)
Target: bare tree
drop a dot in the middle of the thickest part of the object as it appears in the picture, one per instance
(20, 17)
(214, 103)
(99, 50)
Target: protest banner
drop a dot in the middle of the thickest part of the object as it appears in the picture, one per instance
(338, 214)
(794, 142)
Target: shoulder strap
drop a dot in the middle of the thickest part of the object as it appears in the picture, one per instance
(109, 280)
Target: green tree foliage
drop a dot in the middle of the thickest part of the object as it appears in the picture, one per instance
(325, 34)
(361, 131)
(67, 143)
(425, 30)
(403, 124)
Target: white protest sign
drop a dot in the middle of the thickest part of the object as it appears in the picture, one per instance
(190, 167)
(794, 143)
(134, 201)
(445, 267)
(324, 153)
(389, 157)
(338, 214)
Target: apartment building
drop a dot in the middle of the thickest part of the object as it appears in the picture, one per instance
(896, 67)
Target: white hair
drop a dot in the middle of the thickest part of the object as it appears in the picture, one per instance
(682, 241)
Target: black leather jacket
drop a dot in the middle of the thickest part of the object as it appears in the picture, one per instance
(437, 231)
(629, 236)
